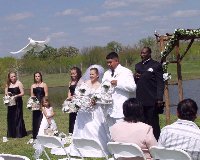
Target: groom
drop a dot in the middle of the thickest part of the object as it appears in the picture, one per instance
(122, 80)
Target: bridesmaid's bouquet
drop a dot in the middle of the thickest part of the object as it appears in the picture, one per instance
(33, 104)
(9, 100)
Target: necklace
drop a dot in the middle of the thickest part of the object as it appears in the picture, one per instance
(38, 84)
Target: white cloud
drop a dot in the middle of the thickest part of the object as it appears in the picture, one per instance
(20, 26)
(57, 35)
(157, 3)
(114, 4)
(186, 13)
(110, 14)
(69, 12)
(90, 18)
(99, 30)
(45, 29)
(154, 18)
(19, 16)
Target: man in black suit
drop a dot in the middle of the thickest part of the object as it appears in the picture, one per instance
(150, 88)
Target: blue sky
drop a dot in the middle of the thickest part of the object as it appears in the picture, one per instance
(85, 23)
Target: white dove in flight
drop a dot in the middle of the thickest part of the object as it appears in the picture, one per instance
(38, 46)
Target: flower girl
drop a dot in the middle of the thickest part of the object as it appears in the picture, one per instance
(47, 121)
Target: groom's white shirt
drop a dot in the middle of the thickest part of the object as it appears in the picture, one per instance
(125, 88)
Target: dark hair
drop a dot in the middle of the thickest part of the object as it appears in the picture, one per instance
(133, 110)
(45, 99)
(78, 71)
(148, 49)
(187, 109)
(39, 74)
(112, 55)
(8, 77)
(95, 69)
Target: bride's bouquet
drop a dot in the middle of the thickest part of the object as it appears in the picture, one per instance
(82, 90)
(69, 106)
(33, 104)
(9, 100)
(81, 100)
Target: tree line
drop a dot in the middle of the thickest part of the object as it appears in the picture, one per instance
(60, 60)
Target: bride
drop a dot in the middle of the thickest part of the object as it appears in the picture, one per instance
(91, 124)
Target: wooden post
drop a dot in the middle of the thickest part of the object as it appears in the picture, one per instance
(179, 75)
(166, 89)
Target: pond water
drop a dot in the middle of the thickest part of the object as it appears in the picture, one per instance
(191, 89)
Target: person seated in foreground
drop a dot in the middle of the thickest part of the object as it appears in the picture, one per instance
(184, 133)
(132, 129)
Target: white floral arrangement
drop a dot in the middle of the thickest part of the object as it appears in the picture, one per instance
(96, 97)
(69, 107)
(82, 90)
(9, 100)
(77, 103)
(81, 100)
(167, 76)
(106, 92)
(83, 103)
(33, 104)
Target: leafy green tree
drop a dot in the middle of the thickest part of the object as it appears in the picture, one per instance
(114, 46)
(68, 52)
(6, 64)
(45, 54)
(150, 42)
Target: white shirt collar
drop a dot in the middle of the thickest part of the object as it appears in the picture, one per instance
(187, 122)
(146, 61)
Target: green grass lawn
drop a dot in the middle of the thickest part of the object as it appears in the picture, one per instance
(52, 80)
(190, 70)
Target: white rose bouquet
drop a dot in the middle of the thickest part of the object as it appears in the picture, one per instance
(81, 100)
(82, 90)
(33, 104)
(69, 106)
(106, 92)
(9, 100)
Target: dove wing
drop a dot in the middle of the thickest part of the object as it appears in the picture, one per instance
(43, 42)
(40, 42)
(25, 49)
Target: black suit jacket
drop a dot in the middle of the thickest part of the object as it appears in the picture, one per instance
(150, 85)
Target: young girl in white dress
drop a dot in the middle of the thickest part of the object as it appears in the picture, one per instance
(48, 114)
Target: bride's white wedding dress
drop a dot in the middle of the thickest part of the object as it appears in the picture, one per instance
(90, 125)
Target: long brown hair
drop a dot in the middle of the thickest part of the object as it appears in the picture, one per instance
(39, 74)
(78, 71)
(8, 77)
